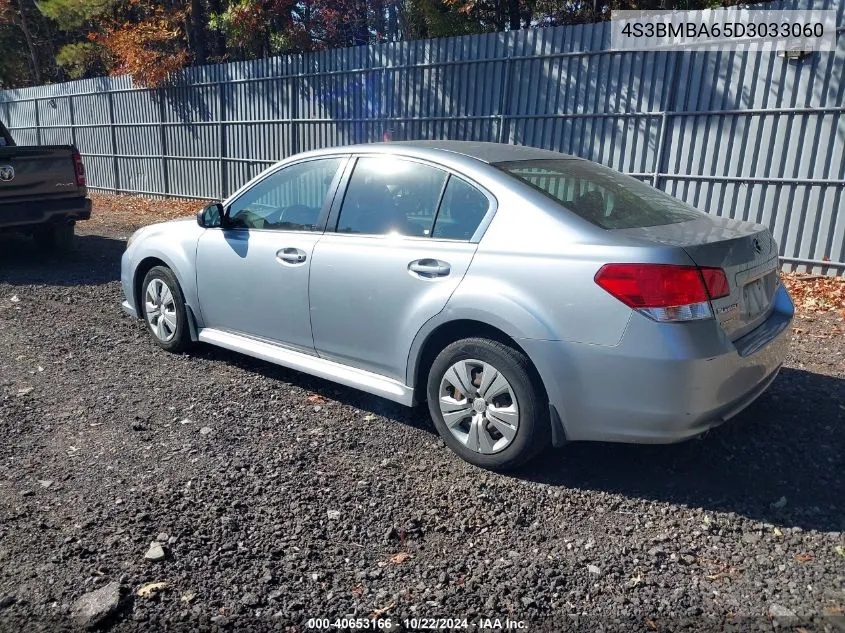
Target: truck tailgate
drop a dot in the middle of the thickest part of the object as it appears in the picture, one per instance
(45, 171)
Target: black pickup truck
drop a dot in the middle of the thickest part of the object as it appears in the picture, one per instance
(42, 191)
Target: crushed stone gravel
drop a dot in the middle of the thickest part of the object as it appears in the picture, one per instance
(287, 511)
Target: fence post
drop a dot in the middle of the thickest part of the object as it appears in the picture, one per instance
(165, 167)
(222, 131)
(294, 113)
(504, 102)
(658, 155)
(37, 122)
(668, 110)
(386, 131)
(72, 110)
(115, 167)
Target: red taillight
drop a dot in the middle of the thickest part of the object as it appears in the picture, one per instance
(716, 282)
(665, 292)
(653, 285)
(78, 169)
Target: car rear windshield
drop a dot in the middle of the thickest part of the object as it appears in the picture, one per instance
(599, 194)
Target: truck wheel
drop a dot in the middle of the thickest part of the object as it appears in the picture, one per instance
(487, 405)
(55, 235)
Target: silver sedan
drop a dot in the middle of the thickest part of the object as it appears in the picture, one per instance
(530, 297)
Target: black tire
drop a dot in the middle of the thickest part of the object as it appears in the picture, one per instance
(181, 338)
(55, 235)
(533, 432)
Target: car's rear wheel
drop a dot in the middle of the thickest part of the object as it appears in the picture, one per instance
(55, 235)
(164, 309)
(487, 404)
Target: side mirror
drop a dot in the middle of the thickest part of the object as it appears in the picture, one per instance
(211, 217)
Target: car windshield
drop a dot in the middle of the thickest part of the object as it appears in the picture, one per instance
(600, 195)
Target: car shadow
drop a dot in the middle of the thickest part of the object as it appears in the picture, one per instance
(94, 260)
(416, 417)
(780, 461)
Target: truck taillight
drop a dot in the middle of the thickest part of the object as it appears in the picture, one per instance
(665, 292)
(78, 169)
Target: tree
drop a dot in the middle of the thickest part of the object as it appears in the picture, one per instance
(72, 15)
(151, 39)
(14, 69)
(150, 47)
(196, 31)
(16, 12)
(82, 59)
(82, 56)
(145, 38)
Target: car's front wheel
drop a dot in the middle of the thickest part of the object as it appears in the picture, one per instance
(487, 404)
(164, 309)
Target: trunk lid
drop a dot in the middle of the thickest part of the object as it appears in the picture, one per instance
(42, 171)
(747, 253)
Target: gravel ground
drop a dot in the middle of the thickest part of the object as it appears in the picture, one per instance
(277, 497)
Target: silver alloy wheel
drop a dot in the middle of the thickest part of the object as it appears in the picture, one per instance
(160, 310)
(479, 406)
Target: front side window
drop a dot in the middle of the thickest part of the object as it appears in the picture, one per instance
(289, 200)
(599, 194)
(461, 211)
(391, 195)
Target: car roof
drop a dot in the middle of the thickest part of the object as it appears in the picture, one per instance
(485, 152)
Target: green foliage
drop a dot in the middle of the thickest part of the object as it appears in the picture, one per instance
(82, 59)
(243, 25)
(282, 42)
(436, 18)
(74, 14)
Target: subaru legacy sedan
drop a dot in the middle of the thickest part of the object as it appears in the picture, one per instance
(530, 297)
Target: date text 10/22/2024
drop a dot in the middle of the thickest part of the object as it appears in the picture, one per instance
(417, 624)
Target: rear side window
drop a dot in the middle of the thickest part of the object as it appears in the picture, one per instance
(391, 195)
(461, 212)
(601, 195)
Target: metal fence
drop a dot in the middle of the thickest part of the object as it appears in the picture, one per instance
(750, 136)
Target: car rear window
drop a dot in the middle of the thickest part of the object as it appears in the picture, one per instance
(600, 195)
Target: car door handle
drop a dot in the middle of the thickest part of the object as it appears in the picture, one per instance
(429, 268)
(291, 255)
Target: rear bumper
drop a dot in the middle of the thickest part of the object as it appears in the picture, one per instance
(663, 382)
(15, 214)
